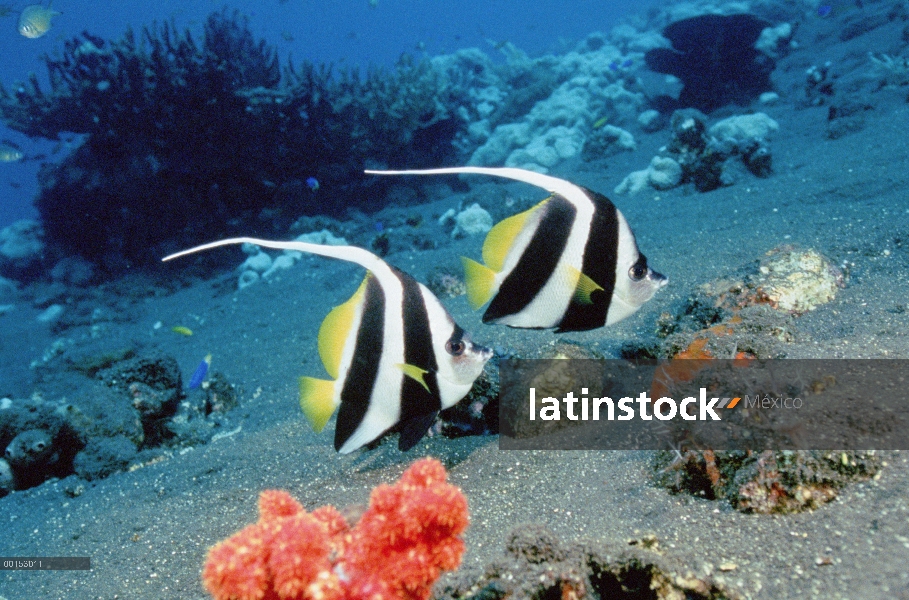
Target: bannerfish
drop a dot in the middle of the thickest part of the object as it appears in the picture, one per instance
(200, 373)
(571, 262)
(395, 355)
(35, 20)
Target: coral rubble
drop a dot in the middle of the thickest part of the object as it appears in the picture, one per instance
(537, 564)
(765, 482)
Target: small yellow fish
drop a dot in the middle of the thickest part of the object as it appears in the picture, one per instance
(600, 122)
(9, 153)
(182, 330)
(35, 20)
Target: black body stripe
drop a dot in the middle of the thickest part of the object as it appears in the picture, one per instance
(601, 253)
(415, 400)
(364, 368)
(538, 261)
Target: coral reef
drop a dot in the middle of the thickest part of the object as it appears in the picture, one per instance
(188, 141)
(549, 121)
(407, 536)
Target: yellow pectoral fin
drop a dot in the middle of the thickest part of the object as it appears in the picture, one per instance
(335, 328)
(584, 286)
(501, 237)
(415, 373)
(479, 280)
(317, 399)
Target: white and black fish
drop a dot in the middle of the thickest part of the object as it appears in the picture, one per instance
(395, 355)
(570, 262)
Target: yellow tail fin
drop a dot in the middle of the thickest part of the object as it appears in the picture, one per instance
(317, 399)
(479, 280)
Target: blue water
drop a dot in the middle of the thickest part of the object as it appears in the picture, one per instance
(342, 32)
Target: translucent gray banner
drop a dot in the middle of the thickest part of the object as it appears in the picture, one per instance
(704, 404)
(45, 563)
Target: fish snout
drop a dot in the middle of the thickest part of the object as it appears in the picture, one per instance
(657, 278)
(483, 352)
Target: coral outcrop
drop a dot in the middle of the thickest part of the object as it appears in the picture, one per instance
(190, 140)
(707, 158)
(407, 536)
(715, 58)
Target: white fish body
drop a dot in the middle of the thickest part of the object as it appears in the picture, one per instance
(418, 362)
(570, 262)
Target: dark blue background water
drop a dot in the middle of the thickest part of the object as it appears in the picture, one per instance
(344, 32)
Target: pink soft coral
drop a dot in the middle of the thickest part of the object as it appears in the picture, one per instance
(397, 550)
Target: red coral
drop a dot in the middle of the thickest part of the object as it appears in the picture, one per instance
(397, 550)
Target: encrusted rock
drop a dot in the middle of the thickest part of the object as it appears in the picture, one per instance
(797, 280)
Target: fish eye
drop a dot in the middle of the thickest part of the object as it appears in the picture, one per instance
(455, 347)
(637, 271)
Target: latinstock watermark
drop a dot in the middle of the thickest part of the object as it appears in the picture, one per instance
(722, 405)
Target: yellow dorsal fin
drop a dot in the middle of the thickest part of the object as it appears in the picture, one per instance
(415, 373)
(501, 237)
(335, 328)
(317, 399)
(584, 286)
(479, 280)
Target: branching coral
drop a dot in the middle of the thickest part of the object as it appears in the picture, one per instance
(110, 88)
(188, 141)
(407, 536)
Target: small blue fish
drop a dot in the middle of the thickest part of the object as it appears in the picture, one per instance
(824, 10)
(200, 373)
(312, 183)
(626, 63)
(614, 65)
(379, 227)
